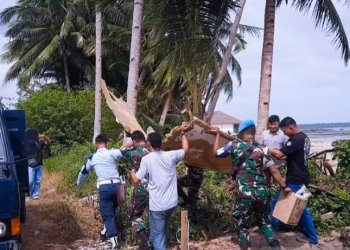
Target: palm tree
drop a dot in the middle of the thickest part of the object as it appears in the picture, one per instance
(43, 41)
(135, 50)
(184, 46)
(98, 76)
(325, 15)
(225, 61)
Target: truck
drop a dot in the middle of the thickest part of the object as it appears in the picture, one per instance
(13, 177)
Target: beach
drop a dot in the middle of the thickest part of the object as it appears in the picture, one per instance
(322, 138)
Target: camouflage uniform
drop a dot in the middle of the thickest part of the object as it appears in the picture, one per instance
(140, 196)
(193, 181)
(252, 195)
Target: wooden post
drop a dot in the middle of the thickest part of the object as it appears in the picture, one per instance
(184, 230)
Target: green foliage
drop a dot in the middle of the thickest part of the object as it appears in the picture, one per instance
(342, 154)
(69, 165)
(67, 118)
(321, 204)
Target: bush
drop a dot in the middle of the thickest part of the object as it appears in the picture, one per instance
(342, 154)
(67, 118)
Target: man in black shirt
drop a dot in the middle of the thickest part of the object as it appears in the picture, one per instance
(296, 152)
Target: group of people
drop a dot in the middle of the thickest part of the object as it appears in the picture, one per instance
(154, 175)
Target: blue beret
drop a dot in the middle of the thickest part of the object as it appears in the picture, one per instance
(245, 124)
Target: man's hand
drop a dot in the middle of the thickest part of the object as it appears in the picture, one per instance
(265, 150)
(187, 127)
(286, 191)
(127, 130)
(212, 130)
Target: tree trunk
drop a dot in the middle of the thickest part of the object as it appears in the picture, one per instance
(212, 104)
(166, 108)
(135, 54)
(98, 73)
(225, 61)
(266, 67)
(66, 73)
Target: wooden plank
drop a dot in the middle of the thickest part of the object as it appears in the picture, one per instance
(184, 230)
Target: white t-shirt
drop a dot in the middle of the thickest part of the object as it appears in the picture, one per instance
(160, 170)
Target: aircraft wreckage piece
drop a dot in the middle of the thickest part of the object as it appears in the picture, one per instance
(201, 146)
(120, 109)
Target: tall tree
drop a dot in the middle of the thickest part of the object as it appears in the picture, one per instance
(98, 76)
(266, 67)
(43, 43)
(325, 15)
(135, 49)
(225, 61)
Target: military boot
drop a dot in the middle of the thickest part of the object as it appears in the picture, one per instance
(145, 244)
(275, 245)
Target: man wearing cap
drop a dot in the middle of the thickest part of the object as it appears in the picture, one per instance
(252, 197)
(105, 163)
(297, 152)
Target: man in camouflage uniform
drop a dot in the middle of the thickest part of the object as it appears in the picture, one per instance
(193, 181)
(250, 164)
(133, 153)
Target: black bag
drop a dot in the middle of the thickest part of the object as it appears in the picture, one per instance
(121, 191)
(33, 148)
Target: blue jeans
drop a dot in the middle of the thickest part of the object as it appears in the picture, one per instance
(158, 227)
(306, 223)
(35, 174)
(108, 205)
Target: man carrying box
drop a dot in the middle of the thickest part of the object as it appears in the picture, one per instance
(296, 152)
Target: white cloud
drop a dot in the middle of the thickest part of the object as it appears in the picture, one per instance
(309, 79)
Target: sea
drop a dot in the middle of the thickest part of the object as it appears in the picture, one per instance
(323, 134)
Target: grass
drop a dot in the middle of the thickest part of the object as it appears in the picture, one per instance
(215, 205)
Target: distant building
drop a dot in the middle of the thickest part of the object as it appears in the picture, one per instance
(225, 122)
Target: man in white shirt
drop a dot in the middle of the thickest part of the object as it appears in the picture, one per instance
(105, 163)
(159, 167)
(274, 136)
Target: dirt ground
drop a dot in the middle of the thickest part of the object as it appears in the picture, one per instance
(57, 222)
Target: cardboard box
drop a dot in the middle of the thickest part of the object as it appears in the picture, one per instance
(289, 209)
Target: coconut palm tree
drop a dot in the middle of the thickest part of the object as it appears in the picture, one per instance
(43, 42)
(98, 74)
(184, 46)
(225, 61)
(325, 16)
(135, 50)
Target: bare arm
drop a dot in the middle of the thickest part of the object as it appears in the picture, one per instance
(276, 153)
(279, 179)
(185, 145)
(134, 178)
(216, 132)
(216, 142)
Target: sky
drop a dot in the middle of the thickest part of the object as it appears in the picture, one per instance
(310, 82)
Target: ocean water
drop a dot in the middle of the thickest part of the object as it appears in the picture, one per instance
(322, 135)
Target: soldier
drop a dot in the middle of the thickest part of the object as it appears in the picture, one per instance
(193, 181)
(134, 152)
(252, 197)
